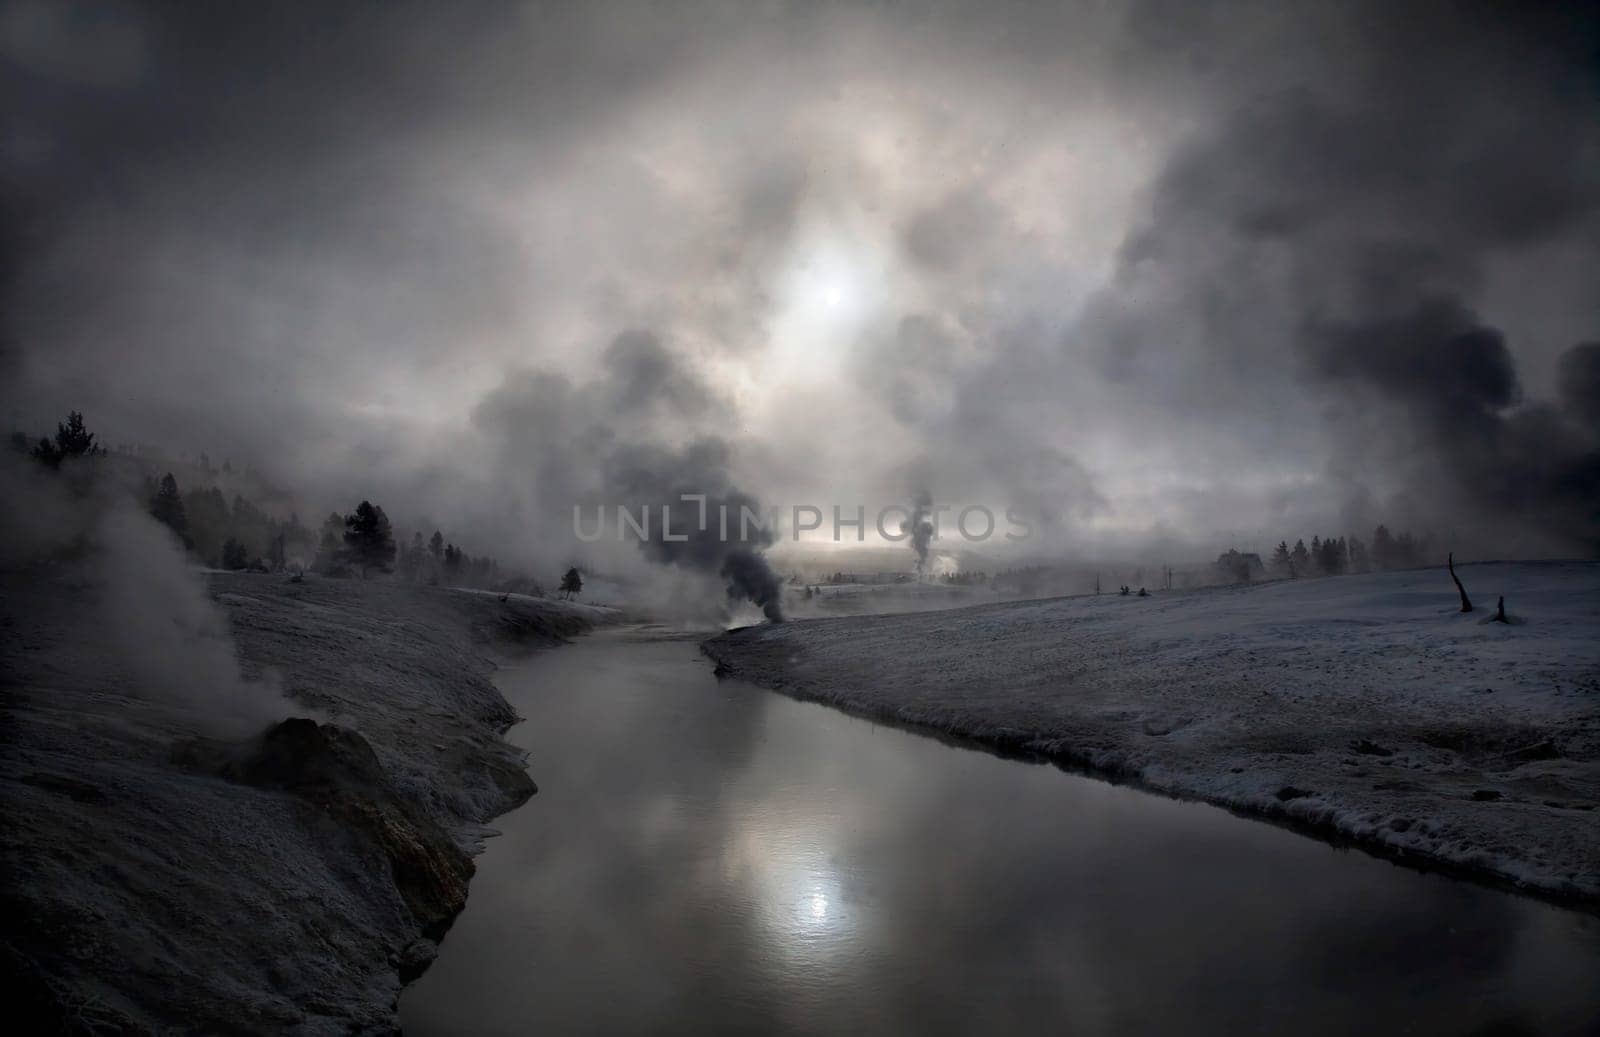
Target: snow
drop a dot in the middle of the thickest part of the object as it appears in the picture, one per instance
(1365, 708)
(143, 894)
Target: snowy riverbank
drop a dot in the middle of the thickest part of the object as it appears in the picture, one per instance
(1365, 707)
(157, 879)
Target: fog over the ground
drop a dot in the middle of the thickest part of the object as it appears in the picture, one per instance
(1155, 272)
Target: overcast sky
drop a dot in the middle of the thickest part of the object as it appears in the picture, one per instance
(1205, 273)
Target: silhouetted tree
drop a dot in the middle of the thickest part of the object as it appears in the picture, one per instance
(1329, 556)
(411, 557)
(1300, 558)
(436, 546)
(1280, 557)
(234, 555)
(368, 539)
(454, 559)
(1383, 548)
(1234, 566)
(330, 551)
(206, 512)
(572, 583)
(1408, 553)
(73, 439)
(166, 504)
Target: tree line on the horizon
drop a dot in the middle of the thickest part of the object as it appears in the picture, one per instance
(240, 535)
(1333, 556)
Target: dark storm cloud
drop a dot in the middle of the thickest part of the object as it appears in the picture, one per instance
(267, 199)
(1455, 380)
(1580, 385)
(1330, 238)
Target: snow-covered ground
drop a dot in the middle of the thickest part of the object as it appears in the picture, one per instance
(144, 892)
(850, 599)
(1365, 707)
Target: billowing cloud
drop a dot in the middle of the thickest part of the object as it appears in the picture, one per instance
(1155, 272)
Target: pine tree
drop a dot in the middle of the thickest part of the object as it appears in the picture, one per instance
(369, 539)
(1300, 558)
(572, 583)
(73, 439)
(1383, 554)
(1408, 553)
(330, 552)
(234, 555)
(166, 504)
(411, 558)
(1280, 557)
(436, 545)
(1329, 556)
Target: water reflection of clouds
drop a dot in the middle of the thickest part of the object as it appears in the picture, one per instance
(708, 857)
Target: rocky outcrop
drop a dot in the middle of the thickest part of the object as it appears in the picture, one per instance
(287, 880)
(335, 770)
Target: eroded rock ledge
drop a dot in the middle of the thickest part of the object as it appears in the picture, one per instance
(286, 880)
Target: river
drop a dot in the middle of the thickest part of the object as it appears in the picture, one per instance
(706, 856)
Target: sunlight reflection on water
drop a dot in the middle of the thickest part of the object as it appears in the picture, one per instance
(707, 856)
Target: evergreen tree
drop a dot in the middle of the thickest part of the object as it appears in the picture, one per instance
(368, 539)
(411, 557)
(1280, 557)
(1300, 558)
(207, 514)
(330, 555)
(1383, 554)
(73, 439)
(1407, 552)
(451, 566)
(167, 506)
(1329, 556)
(235, 555)
(572, 583)
(436, 546)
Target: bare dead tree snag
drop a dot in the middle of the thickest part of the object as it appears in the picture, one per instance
(1466, 602)
(1500, 611)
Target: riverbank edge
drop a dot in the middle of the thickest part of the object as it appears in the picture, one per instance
(503, 635)
(1023, 747)
(118, 829)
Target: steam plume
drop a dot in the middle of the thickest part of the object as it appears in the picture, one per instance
(920, 527)
(722, 544)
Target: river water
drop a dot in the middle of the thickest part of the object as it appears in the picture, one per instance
(706, 856)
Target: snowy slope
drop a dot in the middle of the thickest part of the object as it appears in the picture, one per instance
(1366, 707)
(144, 894)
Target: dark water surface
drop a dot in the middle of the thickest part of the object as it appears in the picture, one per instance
(706, 856)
